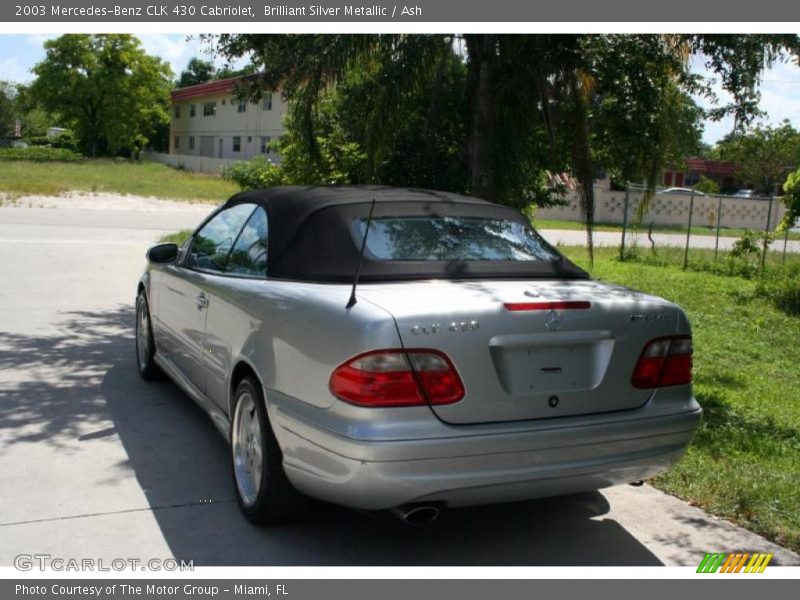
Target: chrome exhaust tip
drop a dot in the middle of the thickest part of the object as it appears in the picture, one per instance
(421, 513)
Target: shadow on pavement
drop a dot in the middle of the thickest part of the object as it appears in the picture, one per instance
(88, 375)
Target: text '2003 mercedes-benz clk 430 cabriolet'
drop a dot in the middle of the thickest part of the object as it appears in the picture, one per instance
(385, 348)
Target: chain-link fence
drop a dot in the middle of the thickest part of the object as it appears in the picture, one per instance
(686, 225)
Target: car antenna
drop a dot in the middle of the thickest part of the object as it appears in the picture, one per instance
(351, 302)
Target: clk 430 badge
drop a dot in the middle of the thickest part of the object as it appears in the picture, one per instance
(454, 327)
(660, 317)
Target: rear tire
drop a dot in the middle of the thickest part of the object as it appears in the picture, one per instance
(264, 492)
(145, 345)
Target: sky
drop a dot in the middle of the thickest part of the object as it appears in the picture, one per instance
(19, 53)
(780, 88)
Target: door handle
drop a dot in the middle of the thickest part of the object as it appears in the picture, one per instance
(202, 301)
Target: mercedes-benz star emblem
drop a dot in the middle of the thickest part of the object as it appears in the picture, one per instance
(553, 320)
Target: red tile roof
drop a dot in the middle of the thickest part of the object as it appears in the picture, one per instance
(703, 165)
(218, 86)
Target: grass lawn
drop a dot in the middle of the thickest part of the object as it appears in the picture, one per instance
(696, 230)
(744, 463)
(176, 238)
(143, 178)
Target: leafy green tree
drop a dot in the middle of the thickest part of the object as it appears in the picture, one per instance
(197, 71)
(34, 119)
(227, 71)
(791, 199)
(423, 144)
(7, 112)
(638, 127)
(106, 88)
(738, 62)
(763, 155)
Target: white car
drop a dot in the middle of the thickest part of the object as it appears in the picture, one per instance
(682, 191)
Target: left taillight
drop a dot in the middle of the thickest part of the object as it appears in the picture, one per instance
(664, 361)
(383, 378)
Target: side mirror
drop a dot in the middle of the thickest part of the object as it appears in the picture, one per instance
(163, 253)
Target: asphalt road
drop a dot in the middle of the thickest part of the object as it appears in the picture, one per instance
(572, 237)
(95, 463)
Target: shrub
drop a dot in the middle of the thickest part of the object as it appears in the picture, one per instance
(746, 245)
(38, 140)
(257, 173)
(707, 186)
(792, 201)
(40, 154)
(784, 293)
(65, 139)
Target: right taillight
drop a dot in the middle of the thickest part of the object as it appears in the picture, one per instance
(384, 378)
(664, 361)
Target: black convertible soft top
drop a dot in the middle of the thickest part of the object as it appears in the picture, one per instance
(310, 235)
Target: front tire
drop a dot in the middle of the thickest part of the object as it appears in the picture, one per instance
(145, 345)
(265, 494)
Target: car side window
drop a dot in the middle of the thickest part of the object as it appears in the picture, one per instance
(249, 255)
(212, 244)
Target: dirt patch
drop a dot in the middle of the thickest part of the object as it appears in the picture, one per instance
(103, 201)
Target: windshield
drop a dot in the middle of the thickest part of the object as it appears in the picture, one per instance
(451, 238)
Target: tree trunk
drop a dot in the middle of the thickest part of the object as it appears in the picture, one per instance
(582, 166)
(482, 55)
(94, 127)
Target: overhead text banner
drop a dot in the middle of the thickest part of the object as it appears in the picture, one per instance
(419, 11)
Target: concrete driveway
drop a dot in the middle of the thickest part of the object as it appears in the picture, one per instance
(94, 463)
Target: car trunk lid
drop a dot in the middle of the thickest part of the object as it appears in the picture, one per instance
(530, 349)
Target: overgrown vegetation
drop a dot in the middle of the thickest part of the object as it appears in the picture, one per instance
(777, 267)
(784, 293)
(119, 176)
(744, 463)
(257, 173)
(40, 154)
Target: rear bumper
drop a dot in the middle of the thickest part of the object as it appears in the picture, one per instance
(479, 465)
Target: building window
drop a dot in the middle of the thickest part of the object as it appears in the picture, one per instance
(237, 143)
(266, 101)
(191, 142)
(177, 111)
(191, 110)
(177, 143)
(242, 106)
(265, 140)
(209, 109)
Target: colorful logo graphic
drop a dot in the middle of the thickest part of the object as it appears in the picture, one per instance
(742, 562)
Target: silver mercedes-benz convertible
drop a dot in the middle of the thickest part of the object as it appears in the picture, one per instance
(412, 350)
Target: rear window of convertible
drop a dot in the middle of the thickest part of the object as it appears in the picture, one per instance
(449, 238)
